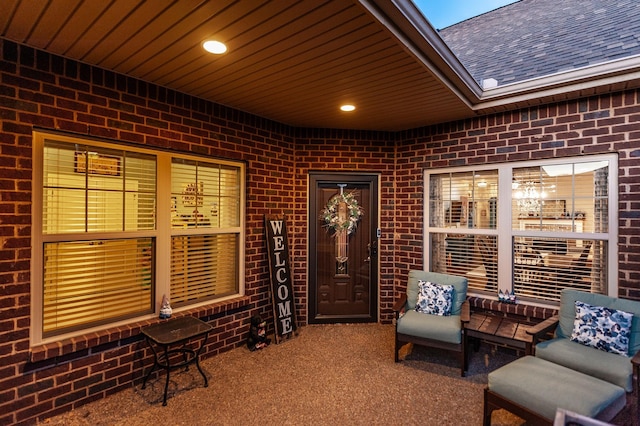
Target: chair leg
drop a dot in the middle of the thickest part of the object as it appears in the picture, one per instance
(465, 356)
(486, 419)
(396, 349)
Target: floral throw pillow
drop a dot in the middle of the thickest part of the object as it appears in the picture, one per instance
(602, 328)
(434, 299)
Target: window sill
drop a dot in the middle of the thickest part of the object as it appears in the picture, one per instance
(521, 309)
(112, 336)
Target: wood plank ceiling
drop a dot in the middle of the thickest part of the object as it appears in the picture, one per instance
(291, 61)
(294, 62)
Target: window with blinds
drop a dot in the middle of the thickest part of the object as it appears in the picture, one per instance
(96, 189)
(203, 267)
(560, 213)
(205, 230)
(117, 228)
(460, 202)
(93, 282)
(204, 195)
(532, 228)
(89, 191)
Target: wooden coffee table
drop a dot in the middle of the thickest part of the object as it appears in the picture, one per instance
(501, 330)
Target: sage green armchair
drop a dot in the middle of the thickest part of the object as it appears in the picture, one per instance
(591, 366)
(611, 367)
(438, 331)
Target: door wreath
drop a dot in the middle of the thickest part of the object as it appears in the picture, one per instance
(342, 213)
(341, 216)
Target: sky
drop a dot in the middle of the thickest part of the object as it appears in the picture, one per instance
(442, 13)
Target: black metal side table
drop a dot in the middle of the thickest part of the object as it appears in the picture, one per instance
(176, 332)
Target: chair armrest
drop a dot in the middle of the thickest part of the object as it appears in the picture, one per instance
(398, 307)
(465, 312)
(544, 327)
(539, 330)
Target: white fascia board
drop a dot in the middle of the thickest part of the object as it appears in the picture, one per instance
(589, 77)
(414, 19)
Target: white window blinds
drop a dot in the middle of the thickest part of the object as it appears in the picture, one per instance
(118, 227)
(205, 209)
(89, 191)
(542, 267)
(203, 267)
(92, 282)
(531, 228)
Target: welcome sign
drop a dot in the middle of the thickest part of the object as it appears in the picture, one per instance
(280, 272)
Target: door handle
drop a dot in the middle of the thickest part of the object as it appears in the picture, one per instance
(372, 249)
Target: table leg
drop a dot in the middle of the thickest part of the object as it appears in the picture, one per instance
(185, 358)
(476, 343)
(153, 367)
(168, 368)
(197, 355)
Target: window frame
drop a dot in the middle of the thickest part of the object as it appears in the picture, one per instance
(504, 231)
(161, 233)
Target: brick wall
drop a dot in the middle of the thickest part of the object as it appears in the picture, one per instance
(597, 125)
(39, 90)
(46, 91)
(335, 151)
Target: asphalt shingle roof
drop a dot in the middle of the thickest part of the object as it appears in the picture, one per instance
(532, 38)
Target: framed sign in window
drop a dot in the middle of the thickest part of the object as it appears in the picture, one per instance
(192, 194)
(97, 164)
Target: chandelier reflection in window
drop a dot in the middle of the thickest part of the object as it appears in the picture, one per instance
(528, 198)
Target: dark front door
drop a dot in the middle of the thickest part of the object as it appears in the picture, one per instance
(343, 265)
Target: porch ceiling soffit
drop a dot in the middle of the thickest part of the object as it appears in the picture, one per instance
(293, 62)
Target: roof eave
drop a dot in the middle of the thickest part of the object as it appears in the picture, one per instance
(600, 78)
(422, 41)
(419, 38)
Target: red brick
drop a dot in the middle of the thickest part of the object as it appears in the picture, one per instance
(271, 153)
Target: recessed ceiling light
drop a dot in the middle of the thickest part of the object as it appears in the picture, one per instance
(214, 46)
(348, 108)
